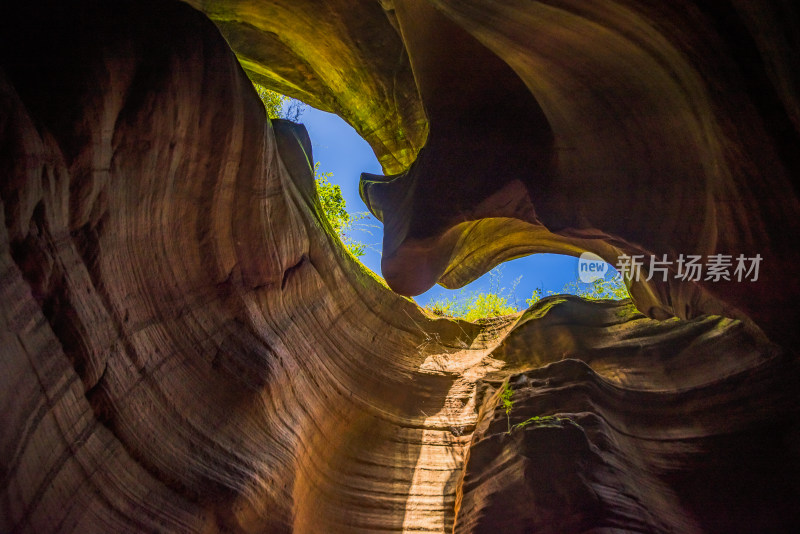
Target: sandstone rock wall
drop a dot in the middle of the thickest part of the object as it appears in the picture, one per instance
(630, 128)
(186, 348)
(559, 126)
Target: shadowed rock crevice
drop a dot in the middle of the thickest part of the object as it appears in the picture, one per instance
(638, 446)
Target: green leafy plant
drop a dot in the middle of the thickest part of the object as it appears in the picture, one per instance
(474, 306)
(505, 397)
(535, 297)
(279, 106)
(543, 421)
(335, 209)
(602, 289)
(498, 302)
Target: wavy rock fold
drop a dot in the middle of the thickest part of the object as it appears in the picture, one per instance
(186, 347)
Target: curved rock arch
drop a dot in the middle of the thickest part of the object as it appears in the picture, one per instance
(185, 347)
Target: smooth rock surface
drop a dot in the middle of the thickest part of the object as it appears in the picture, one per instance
(560, 126)
(342, 56)
(186, 347)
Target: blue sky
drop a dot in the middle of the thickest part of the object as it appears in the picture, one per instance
(340, 150)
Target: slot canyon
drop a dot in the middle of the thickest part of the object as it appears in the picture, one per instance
(187, 347)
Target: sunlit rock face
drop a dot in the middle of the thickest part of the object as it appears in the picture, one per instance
(562, 126)
(187, 348)
(342, 56)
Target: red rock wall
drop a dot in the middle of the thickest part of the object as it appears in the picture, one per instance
(628, 128)
(186, 348)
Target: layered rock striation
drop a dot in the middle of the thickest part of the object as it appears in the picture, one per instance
(187, 348)
(630, 128)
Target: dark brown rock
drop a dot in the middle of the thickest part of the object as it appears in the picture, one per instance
(186, 347)
(634, 128)
(629, 431)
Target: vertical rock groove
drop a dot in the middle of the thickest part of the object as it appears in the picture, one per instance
(187, 348)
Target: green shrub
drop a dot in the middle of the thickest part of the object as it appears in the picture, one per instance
(278, 106)
(544, 421)
(498, 302)
(602, 289)
(474, 306)
(335, 209)
(505, 397)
